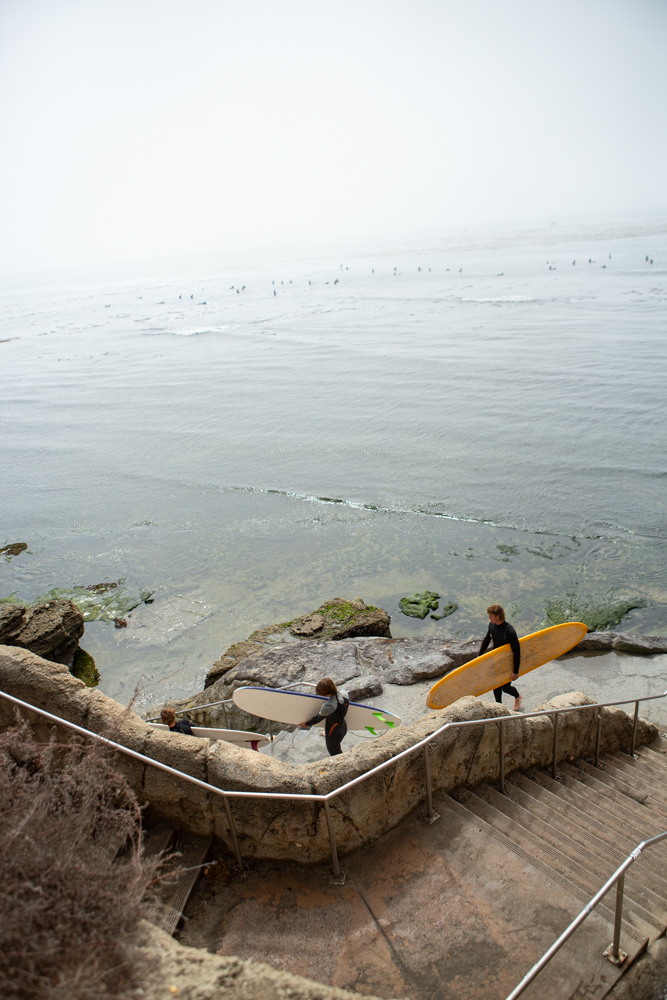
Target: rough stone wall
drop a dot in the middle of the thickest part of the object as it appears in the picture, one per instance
(297, 830)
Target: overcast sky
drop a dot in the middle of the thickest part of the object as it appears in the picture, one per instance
(131, 128)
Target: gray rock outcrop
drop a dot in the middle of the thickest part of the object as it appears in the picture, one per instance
(51, 630)
(623, 642)
(332, 621)
(359, 665)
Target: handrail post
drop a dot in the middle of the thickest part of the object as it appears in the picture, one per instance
(634, 730)
(501, 758)
(338, 876)
(430, 815)
(554, 762)
(597, 737)
(614, 953)
(232, 832)
(224, 715)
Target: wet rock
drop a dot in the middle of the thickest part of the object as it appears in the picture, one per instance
(13, 549)
(419, 605)
(50, 630)
(83, 667)
(647, 645)
(341, 619)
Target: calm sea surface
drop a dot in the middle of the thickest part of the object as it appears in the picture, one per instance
(487, 421)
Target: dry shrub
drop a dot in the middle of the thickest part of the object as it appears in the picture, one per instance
(68, 906)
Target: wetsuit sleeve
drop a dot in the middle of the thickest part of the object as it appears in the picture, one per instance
(513, 640)
(485, 642)
(183, 726)
(328, 708)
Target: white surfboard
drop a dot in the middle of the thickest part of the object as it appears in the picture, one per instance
(250, 741)
(294, 707)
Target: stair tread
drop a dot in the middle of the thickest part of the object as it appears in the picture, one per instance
(576, 825)
(193, 851)
(568, 868)
(648, 904)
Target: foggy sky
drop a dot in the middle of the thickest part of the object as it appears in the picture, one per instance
(131, 128)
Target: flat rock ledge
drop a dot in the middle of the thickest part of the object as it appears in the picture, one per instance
(297, 830)
(621, 642)
(334, 620)
(51, 630)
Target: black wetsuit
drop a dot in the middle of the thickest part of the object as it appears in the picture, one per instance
(333, 713)
(182, 726)
(500, 635)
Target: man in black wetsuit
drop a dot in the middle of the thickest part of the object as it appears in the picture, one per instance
(500, 633)
(333, 714)
(169, 719)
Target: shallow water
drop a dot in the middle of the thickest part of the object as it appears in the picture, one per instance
(491, 433)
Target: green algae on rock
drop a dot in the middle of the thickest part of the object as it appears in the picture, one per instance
(447, 610)
(83, 667)
(14, 549)
(419, 605)
(335, 619)
(597, 612)
(102, 602)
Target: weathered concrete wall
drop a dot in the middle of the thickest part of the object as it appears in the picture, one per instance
(294, 830)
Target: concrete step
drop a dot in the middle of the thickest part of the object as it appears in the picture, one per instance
(594, 812)
(641, 788)
(582, 829)
(605, 792)
(610, 777)
(652, 771)
(654, 757)
(595, 867)
(191, 852)
(597, 976)
(568, 872)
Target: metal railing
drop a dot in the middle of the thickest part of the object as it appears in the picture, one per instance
(613, 953)
(423, 744)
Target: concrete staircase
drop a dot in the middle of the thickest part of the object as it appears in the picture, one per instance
(578, 829)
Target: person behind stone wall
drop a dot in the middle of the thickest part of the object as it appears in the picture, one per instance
(169, 719)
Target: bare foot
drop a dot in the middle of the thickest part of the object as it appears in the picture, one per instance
(517, 703)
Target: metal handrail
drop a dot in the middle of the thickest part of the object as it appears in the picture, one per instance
(325, 799)
(613, 952)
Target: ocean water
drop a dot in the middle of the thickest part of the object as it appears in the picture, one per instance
(484, 418)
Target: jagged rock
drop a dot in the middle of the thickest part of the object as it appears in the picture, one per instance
(13, 549)
(642, 644)
(405, 661)
(341, 619)
(308, 626)
(361, 666)
(360, 688)
(624, 642)
(594, 642)
(50, 630)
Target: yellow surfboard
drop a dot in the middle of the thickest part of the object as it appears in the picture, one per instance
(495, 668)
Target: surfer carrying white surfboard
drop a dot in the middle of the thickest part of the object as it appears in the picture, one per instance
(332, 713)
(500, 632)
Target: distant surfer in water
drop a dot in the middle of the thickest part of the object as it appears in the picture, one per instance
(332, 713)
(500, 633)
